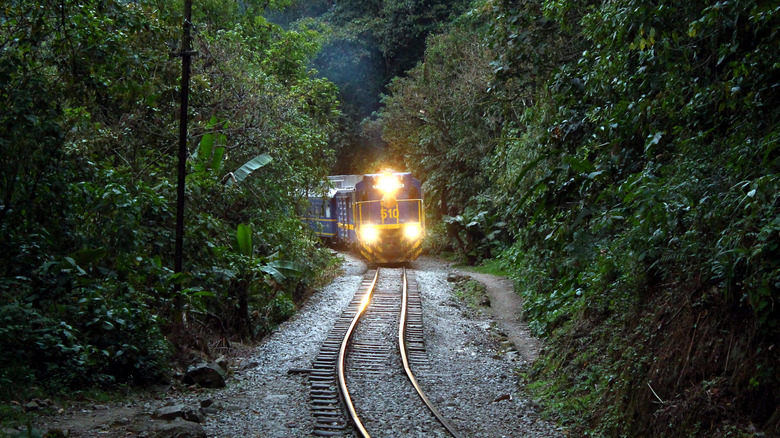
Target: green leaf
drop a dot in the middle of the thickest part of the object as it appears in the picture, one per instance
(75, 265)
(244, 238)
(177, 278)
(580, 165)
(88, 256)
(250, 166)
(530, 166)
(206, 146)
(216, 160)
(200, 293)
(288, 268)
(593, 175)
(278, 276)
(204, 151)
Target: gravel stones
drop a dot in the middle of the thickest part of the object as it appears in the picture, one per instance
(472, 385)
(469, 375)
(178, 428)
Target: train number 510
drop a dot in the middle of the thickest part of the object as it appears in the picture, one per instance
(389, 213)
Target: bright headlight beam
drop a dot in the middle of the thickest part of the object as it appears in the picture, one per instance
(369, 234)
(412, 231)
(388, 183)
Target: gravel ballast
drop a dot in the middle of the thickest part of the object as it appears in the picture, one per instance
(471, 378)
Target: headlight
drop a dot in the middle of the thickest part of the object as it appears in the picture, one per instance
(388, 183)
(412, 231)
(369, 234)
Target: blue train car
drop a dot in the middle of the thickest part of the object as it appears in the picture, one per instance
(321, 217)
(380, 215)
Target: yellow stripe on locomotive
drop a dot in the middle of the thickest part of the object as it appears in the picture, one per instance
(381, 216)
(390, 229)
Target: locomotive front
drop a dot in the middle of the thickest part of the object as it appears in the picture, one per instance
(389, 217)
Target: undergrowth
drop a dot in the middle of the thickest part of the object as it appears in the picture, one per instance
(486, 266)
(472, 293)
(683, 363)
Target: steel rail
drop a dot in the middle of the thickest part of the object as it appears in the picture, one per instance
(342, 355)
(402, 346)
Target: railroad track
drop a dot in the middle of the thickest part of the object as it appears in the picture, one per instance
(363, 373)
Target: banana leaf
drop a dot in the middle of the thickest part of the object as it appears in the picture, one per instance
(250, 166)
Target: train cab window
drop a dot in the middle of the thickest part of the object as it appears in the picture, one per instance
(327, 211)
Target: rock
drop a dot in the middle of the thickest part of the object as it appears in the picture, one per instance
(31, 406)
(206, 403)
(453, 277)
(177, 428)
(223, 363)
(503, 397)
(211, 410)
(207, 375)
(170, 413)
(195, 416)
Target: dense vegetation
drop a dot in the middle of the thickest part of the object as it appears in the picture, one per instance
(621, 158)
(88, 135)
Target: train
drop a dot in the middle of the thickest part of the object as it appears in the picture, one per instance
(380, 215)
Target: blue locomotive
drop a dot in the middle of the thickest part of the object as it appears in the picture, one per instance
(379, 215)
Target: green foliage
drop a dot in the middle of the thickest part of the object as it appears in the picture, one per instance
(72, 332)
(250, 166)
(368, 44)
(477, 234)
(636, 169)
(433, 130)
(89, 97)
(244, 239)
(384, 38)
(629, 151)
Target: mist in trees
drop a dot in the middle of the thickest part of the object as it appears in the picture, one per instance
(369, 43)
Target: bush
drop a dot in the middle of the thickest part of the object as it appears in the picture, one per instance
(81, 336)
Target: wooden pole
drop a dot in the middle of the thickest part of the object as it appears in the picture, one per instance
(186, 56)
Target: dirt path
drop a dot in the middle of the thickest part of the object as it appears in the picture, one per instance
(506, 308)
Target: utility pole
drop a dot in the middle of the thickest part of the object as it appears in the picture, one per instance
(186, 62)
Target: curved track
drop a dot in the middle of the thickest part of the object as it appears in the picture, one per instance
(405, 345)
(405, 359)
